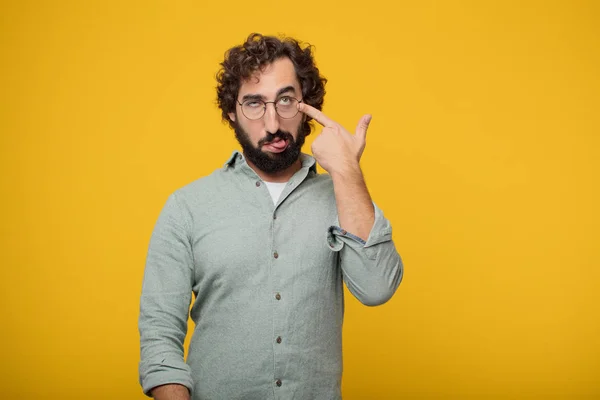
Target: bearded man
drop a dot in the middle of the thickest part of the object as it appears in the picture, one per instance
(265, 244)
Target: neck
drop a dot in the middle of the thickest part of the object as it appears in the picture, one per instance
(279, 176)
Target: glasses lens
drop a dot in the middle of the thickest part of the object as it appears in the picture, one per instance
(287, 107)
(253, 109)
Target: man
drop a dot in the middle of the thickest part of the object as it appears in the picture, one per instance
(265, 244)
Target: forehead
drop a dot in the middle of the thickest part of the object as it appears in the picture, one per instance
(266, 82)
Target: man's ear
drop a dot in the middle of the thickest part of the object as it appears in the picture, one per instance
(231, 116)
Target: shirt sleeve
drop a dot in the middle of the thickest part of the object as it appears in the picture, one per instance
(165, 301)
(372, 269)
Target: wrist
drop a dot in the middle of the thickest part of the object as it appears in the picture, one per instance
(348, 171)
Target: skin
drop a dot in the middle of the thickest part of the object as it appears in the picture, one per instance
(339, 153)
(171, 392)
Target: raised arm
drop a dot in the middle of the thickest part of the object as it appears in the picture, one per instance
(371, 266)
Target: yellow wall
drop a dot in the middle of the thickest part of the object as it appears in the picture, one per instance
(483, 152)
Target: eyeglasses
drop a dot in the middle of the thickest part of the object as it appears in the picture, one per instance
(285, 106)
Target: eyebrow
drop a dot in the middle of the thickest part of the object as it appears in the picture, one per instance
(261, 97)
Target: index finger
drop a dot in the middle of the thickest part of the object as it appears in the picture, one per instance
(316, 115)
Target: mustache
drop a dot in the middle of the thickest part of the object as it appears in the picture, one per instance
(283, 135)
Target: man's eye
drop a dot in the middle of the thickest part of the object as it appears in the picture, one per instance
(285, 100)
(253, 104)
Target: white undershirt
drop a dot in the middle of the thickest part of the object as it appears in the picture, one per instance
(275, 189)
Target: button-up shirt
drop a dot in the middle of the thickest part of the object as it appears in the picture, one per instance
(267, 281)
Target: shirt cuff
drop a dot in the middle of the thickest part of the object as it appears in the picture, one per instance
(380, 232)
(166, 372)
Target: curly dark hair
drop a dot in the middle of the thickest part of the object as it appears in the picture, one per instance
(256, 53)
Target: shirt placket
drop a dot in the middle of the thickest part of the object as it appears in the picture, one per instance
(280, 297)
(277, 298)
(280, 300)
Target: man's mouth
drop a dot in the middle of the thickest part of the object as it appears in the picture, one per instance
(276, 146)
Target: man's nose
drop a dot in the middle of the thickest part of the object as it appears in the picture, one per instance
(271, 118)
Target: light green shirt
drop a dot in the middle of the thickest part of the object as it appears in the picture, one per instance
(267, 284)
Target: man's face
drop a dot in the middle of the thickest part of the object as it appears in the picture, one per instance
(271, 143)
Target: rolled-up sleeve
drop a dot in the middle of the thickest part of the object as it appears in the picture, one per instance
(372, 269)
(165, 301)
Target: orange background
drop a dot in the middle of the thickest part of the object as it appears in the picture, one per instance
(483, 152)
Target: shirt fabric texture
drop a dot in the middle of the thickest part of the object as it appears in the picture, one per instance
(267, 281)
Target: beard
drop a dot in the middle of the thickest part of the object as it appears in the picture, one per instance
(266, 161)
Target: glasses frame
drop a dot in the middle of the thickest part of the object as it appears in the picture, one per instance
(265, 107)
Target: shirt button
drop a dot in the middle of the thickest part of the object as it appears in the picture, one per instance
(257, 183)
(278, 382)
(278, 339)
(275, 255)
(278, 296)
